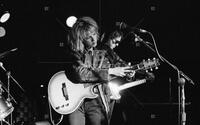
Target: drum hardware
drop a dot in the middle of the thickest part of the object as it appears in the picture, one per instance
(3, 88)
(7, 52)
(8, 73)
(6, 107)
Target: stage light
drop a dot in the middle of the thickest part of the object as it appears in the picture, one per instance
(71, 20)
(4, 14)
(4, 17)
(2, 32)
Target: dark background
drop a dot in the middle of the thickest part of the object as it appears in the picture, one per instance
(37, 28)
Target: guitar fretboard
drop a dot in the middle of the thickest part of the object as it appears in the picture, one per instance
(137, 67)
(131, 84)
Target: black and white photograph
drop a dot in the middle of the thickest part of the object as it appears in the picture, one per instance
(99, 62)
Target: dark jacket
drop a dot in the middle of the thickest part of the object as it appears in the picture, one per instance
(91, 68)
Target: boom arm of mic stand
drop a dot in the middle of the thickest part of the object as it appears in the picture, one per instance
(165, 60)
(181, 81)
(186, 77)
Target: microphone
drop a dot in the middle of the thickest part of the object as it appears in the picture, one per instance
(13, 49)
(123, 25)
(7, 52)
(137, 40)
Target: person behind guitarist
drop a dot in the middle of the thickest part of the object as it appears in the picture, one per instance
(90, 67)
(109, 42)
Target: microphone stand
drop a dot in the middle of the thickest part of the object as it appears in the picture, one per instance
(181, 91)
(181, 80)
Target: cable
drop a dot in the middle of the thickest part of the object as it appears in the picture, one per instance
(6, 122)
(156, 49)
(50, 113)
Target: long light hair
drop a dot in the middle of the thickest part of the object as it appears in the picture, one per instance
(80, 31)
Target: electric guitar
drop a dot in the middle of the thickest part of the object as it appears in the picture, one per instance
(65, 97)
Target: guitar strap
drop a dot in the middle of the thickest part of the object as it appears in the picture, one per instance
(104, 99)
(100, 88)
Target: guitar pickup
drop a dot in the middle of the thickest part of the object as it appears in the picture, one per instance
(64, 91)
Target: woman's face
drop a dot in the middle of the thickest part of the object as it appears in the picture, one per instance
(91, 38)
(114, 42)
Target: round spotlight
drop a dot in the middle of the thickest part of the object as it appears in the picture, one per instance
(2, 32)
(4, 17)
(71, 21)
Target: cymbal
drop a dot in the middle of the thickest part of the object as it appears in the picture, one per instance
(7, 52)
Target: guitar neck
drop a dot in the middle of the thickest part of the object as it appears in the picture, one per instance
(137, 67)
(131, 84)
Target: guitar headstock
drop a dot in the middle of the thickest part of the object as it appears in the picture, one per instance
(150, 64)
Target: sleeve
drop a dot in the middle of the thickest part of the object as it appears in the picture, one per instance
(118, 60)
(84, 74)
(141, 74)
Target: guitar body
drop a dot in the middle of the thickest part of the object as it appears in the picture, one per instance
(65, 96)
